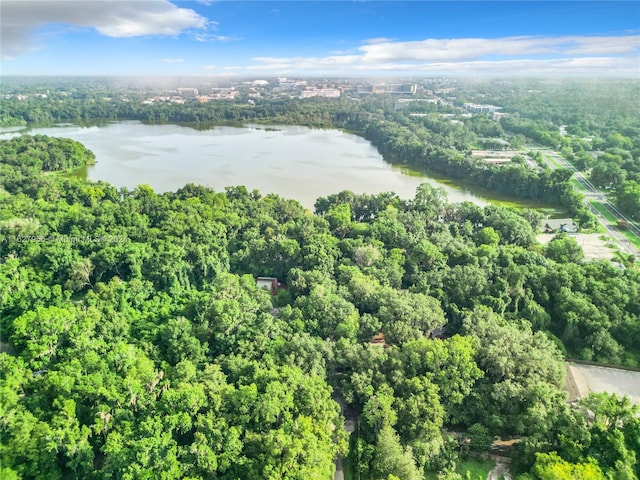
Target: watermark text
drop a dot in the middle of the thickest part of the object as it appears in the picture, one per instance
(65, 238)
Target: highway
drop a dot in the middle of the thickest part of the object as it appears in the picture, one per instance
(592, 193)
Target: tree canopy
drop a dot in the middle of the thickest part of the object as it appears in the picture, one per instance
(136, 343)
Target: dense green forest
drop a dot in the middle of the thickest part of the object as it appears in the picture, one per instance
(28, 155)
(136, 343)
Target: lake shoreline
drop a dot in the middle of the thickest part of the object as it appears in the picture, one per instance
(375, 174)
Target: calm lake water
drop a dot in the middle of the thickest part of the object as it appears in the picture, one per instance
(292, 161)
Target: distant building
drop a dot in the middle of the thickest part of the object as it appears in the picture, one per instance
(268, 283)
(379, 341)
(187, 91)
(496, 157)
(497, 116)
(288, 83)
(403, 89)
(497, 161)
(559, 225)
(388, 88)
(219, 94)
(477, 108)
(320, 92)
(438, 333)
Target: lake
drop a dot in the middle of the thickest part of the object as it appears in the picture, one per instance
(292, 161)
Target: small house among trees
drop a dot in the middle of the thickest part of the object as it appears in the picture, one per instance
(378, 340)
(269, 283)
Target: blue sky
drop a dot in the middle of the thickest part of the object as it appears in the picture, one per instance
(330, 38)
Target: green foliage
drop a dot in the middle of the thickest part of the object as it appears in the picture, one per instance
(391, 460)
(154, 354)
(523, 371)
(488, 236)
(40, 153)
(474, 469)
(564, 249)
(549, 466)
(628, 198)
(598, 439)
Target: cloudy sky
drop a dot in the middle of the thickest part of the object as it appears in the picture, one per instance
(329, 38)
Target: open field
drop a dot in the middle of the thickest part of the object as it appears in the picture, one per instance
(552, 161)
(607, 213)
(630, 236)
(475, 469)
(470, 468)
(592, 245)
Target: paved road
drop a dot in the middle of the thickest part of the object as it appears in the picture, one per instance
(592, 193)
(349, 426)
(501, 470)
(339, 470)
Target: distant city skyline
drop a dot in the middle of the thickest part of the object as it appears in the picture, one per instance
(330, 38)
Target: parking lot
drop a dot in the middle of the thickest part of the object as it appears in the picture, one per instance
(591, 378)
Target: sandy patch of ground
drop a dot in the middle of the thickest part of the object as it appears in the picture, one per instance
(592, 246)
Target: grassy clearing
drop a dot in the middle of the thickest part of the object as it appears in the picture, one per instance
(597, 205)
(632, 238)
(475, 469)
(469, 468)
(576, 184)
(606, 214)
(552, 161)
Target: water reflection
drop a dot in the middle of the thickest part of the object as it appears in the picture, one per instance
(293, 161)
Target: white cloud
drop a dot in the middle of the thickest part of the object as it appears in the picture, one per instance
(374, 41)
(210, 67)
(122, 18)
(173, 60)
(604, 45)
(587, 66)
(476, 48)
(217, 75)
(567, 55)
(208, 37)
